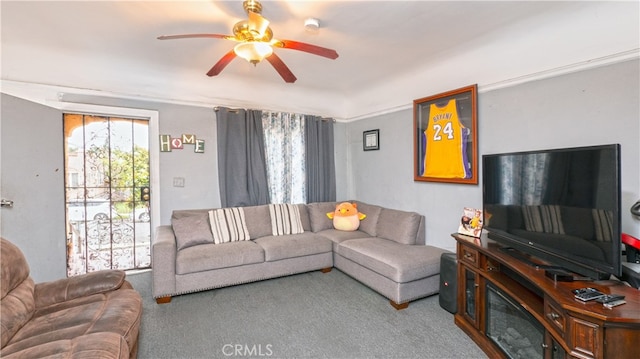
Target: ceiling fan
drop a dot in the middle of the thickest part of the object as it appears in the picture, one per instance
(255, 43)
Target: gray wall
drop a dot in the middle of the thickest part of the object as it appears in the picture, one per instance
(199, 170)
(33, 173)
(596, 106)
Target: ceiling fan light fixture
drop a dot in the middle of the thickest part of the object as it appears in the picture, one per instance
(253, 51)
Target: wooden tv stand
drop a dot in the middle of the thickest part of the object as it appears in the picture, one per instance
(572, 329)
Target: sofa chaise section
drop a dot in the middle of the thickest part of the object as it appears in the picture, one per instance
(400, 272)
(387, 253)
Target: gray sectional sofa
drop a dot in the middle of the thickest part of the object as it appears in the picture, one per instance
(387, 253)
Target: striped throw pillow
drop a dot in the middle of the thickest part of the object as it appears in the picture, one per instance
(285, 219)
(545, 219)
(228, 225)
(603, 222)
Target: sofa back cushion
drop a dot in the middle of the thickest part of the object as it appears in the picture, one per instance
(17, 288)
(318, 215)
(304, 216)
(400, 226)
(258, 221)
(191, 229)
(369, 225)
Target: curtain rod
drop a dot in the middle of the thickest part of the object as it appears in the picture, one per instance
(236, 110)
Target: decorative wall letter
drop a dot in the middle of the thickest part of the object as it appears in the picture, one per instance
(165, 143)
(176, 143)
(199, 148)
(189, 139)
(168, 143)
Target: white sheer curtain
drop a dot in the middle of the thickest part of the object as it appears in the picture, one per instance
(284, 136)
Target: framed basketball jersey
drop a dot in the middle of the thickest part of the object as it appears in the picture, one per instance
(445, 143)
(445, 135)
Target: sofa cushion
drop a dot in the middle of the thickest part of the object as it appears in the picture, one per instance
(293, 245)
(369, 224)
(18, 307)
(214, 256)
(399, 262)
(258, 221)
(179, 213)
(337, 236)
(304, 217)
(192, 229)
(118, 312)
(398, 226)
(17, 288)
(97, 345)
(228, 225)
(285, 219)
(318, 215)
(66, 289)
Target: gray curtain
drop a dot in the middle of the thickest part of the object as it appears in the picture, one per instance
(241, 160)
(320, 164)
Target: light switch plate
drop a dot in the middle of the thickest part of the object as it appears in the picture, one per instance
(178, 181)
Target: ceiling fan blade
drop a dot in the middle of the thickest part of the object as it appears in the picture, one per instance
(312, 49)
(257, 23)
(222, 63)
(190, 36)
(282, 69)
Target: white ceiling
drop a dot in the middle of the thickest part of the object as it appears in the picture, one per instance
(391, 52)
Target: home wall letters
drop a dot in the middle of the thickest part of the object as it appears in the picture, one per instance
(168, 143)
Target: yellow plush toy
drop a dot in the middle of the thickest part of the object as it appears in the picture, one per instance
(346, 217)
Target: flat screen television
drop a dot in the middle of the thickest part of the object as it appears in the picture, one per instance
(559, 205)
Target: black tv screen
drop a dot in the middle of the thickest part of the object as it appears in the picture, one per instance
(559, 205)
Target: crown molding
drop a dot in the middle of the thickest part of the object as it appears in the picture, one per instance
(555, 72)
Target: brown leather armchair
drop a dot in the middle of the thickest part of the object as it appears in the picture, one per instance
(88, 316)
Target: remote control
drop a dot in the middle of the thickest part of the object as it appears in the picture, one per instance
(587, 294)
(615, 303)
(609, 298)
(583, 290)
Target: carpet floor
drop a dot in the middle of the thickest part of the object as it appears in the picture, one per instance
(309, 315)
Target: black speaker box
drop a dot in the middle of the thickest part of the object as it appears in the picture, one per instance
(448, 282)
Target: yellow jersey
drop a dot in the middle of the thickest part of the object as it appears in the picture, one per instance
(445, 140)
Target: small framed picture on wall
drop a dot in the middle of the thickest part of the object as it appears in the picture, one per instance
(371, 140)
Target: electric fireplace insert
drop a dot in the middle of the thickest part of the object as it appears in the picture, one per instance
(512, 328)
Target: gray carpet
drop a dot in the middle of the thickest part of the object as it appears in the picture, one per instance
(310, 315)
